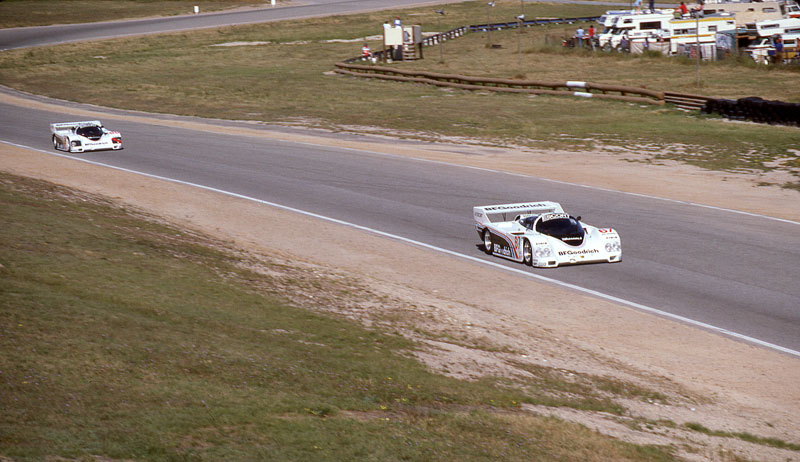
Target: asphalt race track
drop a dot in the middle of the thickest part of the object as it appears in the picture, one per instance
(730, 270)
(733, 271)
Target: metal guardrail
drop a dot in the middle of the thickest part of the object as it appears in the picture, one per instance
(530, 23)
(445, 36)
(569, 88)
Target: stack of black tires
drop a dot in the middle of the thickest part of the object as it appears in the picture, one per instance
(756, 109)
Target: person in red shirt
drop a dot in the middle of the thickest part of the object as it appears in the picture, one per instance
(683, 9)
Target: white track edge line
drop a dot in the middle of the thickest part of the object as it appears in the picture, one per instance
(592, 292)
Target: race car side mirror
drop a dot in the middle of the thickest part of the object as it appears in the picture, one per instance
(578, 218)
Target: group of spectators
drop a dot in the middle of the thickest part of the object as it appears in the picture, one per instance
(587, 35)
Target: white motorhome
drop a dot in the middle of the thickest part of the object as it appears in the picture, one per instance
(684, 31)
(779, 26)
(633, 26)
(662, 26)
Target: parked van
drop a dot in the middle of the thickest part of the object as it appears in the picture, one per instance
(792, 10)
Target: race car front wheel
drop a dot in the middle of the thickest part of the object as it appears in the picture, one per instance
(55, 142)
(527, 253)
(487, 241)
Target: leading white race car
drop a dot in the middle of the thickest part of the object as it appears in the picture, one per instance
(541, 234)
(89, 135)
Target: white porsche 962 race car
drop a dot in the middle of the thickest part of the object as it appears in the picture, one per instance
(541, 234)
(84, 136)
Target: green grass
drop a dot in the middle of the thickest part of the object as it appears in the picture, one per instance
(128, 339)
(26, 13)
(288, 80)
(750, 438)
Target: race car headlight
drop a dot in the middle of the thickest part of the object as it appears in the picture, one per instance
(613, 246)
(76, 143)
(542, 251)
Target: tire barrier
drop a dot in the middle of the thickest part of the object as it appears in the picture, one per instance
(756, 110)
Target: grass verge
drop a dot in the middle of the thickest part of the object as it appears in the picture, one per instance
(125, 338)
(750, 438)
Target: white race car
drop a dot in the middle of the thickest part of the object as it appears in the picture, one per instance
(541, 234)
(84, 136)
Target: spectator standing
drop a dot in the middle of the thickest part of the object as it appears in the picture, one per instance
(778, 50)
(397, 22)
(697, 11)
(579, 36)
(590, 34)
(365, 52)
(637, 6)
(624, 44)
(652, 6)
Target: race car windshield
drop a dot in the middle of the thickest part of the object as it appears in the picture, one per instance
(90, 132)
(560, 227)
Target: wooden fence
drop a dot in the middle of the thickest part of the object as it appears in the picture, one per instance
(536, 87)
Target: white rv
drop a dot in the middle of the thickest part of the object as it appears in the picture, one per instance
(779, 26)
(684, 31)
(633, 26)
(662, 27)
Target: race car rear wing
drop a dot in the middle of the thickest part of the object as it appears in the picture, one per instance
(62, 127)
(507, 212)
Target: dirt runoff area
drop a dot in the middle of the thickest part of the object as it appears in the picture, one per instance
(724, 385)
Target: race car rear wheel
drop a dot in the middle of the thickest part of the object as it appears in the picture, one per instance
(527, 253)
(487, 241)
(55, 142)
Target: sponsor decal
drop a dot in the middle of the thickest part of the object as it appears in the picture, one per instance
(571, 238)
(502, 250)
(478, 214)
(577, 252)
(554, 216)
(514, 207)
(605, 230)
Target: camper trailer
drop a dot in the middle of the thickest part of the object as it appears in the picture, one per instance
(748, 13)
